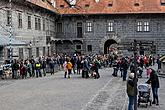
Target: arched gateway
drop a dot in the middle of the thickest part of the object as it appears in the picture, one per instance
(108, 46)
(108, 42)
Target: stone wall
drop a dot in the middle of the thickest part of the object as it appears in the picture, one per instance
(37, 38)
(125, 29)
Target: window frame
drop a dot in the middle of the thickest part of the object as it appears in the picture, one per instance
(89, 26)
(146, 26)
(139, 26)
(89, 48)
(59, 28)
(29, 22)
(20, 25)
(110, 26)
(77, 46)
(43, 24)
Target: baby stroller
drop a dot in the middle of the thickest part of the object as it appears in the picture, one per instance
(144, 94)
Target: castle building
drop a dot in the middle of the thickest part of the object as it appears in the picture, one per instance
(31, 30)
(94, 26)
(44, 27)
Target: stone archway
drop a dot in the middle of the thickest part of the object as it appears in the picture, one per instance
(114, 40)
(108, 44)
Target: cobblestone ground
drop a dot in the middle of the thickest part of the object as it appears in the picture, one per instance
(111, 97)
(6, 82)
(57, 93)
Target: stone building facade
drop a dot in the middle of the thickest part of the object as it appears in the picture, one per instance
(31, 24)
(94, 26)
(100, 31)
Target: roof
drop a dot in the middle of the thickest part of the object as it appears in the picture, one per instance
(44, 4)
(4, 41)
(112, 7)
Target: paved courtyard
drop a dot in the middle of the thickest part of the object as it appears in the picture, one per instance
(57, 93)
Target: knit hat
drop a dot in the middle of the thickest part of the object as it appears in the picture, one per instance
(131, 75)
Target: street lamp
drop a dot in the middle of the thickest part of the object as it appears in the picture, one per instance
(48, 45)
(10, 29)
(30, 49)
(135, 72)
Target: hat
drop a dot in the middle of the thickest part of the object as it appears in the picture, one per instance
(131, 75)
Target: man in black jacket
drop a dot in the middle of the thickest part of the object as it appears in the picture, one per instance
(154, 80)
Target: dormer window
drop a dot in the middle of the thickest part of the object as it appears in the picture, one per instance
(162, 2)
(110, 5)
(61, 6)
(97, 1)
(86, 5)
(136, 4)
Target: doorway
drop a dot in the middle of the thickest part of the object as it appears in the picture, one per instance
(107, 45)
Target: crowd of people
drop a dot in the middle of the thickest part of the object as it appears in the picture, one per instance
(89, 65)
(86, 65)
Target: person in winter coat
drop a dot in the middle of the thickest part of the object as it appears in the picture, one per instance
(154, 81)
(125, 66)
(51, 65)
(65, 68)
(86, 68)
(69, 67)
(131, 91)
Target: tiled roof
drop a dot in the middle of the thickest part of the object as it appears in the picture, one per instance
(44, 4)
(112, 6)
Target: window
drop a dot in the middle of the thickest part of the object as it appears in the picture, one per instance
(79, 30)
(39, 24)
(89, 27)
(21, 53)
(44, 52)
(86, 5)
(8, 12)
(48, 39)
(136, 4)
(62, 6)
(37, 52)
(110, 26)
(59, 27)
(89, 48)
(146, 26)
(36, 24)
(110, 5)
(19, 20)
(78, 47)
(43, 24)
(139, 26)
(29, 22)
(162, 2)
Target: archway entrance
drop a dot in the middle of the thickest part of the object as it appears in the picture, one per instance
(107, 45)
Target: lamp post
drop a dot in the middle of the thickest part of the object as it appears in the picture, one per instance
(10, 29)
(135, 72)
(30, 49)
(48, 46)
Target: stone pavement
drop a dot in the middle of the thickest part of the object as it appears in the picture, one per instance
(57, 93)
